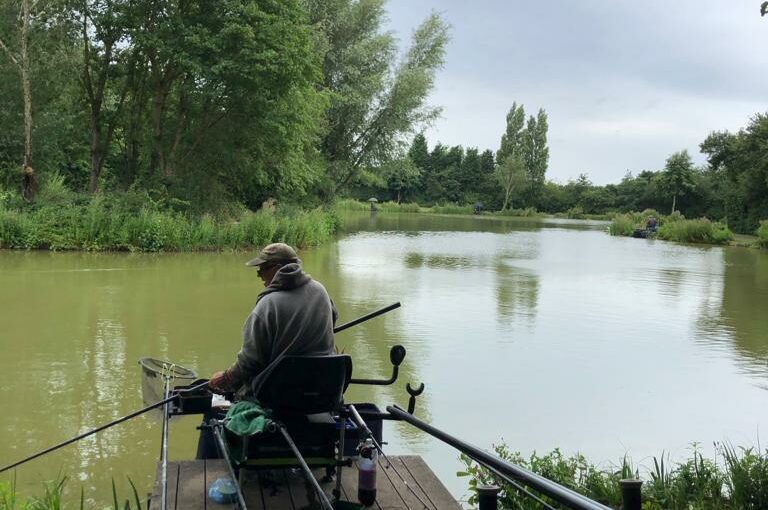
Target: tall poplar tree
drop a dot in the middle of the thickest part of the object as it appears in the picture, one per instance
(510, 158)
(536, 153)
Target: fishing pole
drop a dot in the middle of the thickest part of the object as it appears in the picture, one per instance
(148, 408)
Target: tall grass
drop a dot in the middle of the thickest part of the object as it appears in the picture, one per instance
(100, 226)
(762, 234)
(622, 225)
(735, 479)
(52, 497)
(673, 227)
(451, 209)
(400, 208)
(528, 212)
(695, 231)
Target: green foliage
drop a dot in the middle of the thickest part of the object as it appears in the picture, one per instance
(103, 224)
(739, 164)
(694, 231)
(622, 225)
(746, 477)
(374, 101)
(528, 212)
(52, 497)
(677, 179)
(762, 234)
(451, 209)
(400, 208)
(349, 204)
(573, 472)
(740, 482)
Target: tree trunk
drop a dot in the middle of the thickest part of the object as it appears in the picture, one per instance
(97, 163)
(674, 199)
(28, 181)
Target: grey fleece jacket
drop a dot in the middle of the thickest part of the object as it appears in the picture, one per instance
(295, 315)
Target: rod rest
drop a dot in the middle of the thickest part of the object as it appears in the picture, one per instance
(396, 357)
(191, 402)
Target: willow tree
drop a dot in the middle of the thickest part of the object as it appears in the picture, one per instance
(376, 102)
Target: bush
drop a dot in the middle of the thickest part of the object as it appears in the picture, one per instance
(762, 234)
(452, 209)
(106, 225)
(349, 204)
(694, 231)
(740, 482)
(528, 212)
(622, 225)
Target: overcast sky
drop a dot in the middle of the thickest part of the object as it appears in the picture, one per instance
(624, 83)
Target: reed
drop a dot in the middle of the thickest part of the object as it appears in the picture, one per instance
(100, 225)
(695, 231)
(350, 204)
(411, 207)
(762, 234)
(622, 225)
(52, 497)
(451, 209)
(528, 212)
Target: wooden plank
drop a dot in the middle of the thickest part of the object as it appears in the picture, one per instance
(191, 488)
(287, 489)
(429, 483)
(274, 489)
(387, 496)
(215, 469)
(409, 494)
(173, 477)
(303, 493)
(349, 485)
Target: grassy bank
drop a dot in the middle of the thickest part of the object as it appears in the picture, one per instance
(673, 227)
(736, 478)
(131, 223)
(349, 204)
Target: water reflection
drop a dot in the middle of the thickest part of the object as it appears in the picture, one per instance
(743, 320)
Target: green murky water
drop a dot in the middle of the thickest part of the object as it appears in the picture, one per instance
(543, 333)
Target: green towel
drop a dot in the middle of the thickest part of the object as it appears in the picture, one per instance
(246, 418)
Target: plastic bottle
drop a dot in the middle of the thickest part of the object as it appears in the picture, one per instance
(366, 468)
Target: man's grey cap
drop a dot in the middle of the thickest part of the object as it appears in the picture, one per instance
(275, 253)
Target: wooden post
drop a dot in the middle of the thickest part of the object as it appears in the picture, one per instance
(630, 494)
(488, 497)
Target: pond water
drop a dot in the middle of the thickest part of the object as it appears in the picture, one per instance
(543, 333)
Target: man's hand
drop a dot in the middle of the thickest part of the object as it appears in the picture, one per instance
(219, 382)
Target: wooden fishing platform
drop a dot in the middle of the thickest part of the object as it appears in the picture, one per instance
(287, 489)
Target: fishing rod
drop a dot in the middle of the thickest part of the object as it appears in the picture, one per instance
(148, 408)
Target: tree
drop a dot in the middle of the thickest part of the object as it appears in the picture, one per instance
(512, 177)
(419, 152)
(375, 103)
(103, 32)
(512, 148)
(739, 163)
(22, 62)
(402, 176)
(677, 178)
(536, 153)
